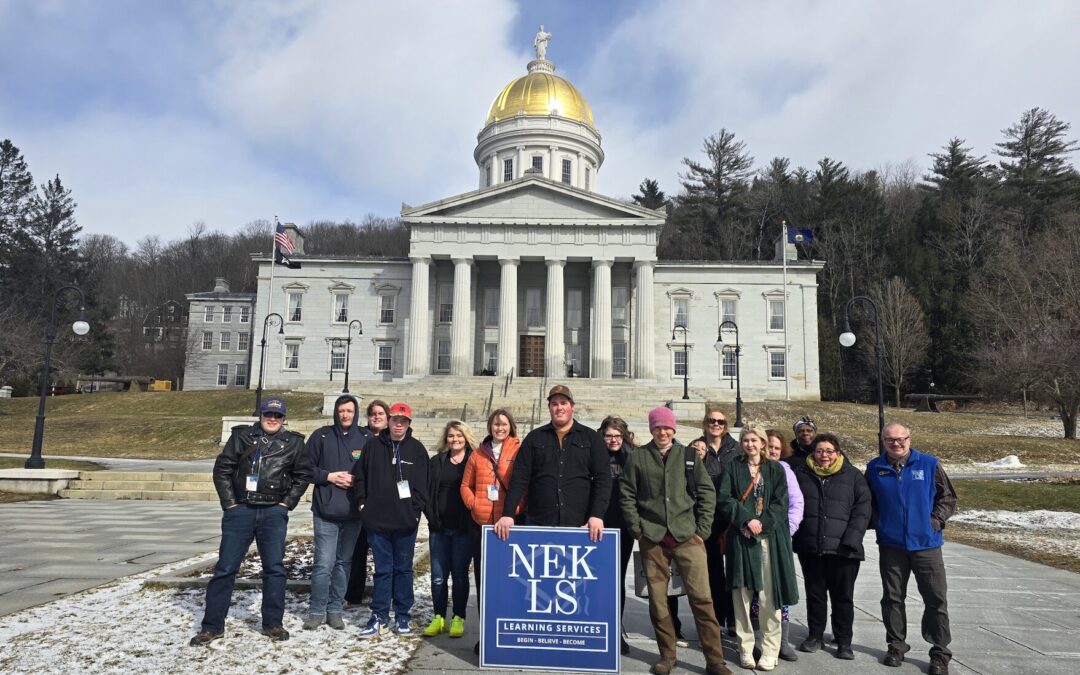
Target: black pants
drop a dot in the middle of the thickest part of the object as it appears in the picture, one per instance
(721, 597)
(897, 566)
(830, 578)
(354, 593)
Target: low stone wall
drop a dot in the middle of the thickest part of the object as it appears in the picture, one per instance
(36, 481)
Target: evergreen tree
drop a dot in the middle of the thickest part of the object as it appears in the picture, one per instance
(48, 245)
(16, 195)
(717, 189)
(650, 195)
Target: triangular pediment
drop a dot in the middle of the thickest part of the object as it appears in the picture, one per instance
(527, 200)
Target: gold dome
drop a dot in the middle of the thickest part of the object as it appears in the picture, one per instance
(540, 93)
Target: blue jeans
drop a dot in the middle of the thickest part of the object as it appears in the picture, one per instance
(393, 554)
(239, 526)
(451, 551)
(334, 545)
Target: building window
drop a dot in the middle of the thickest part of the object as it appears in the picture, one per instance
(618, 358)
(387, 305)
(777, 365)
(152, 332)
(208, 314)
(566, 167)
(222, 374)
(729, 367)
(573, 359)
(680, 360)
(491, 357)
(125, 307)
(292, 356)
(245, 315)
(574, 301)
(446, 303)
(727, 310)
(534, 318)
(681, 307)
(296, 306)
(341, 308)
(241, 375)
(620, 302)
(538, 162)
(337, 357)
(242, 341)
(225, 343)
(207, 340)
(226, 314)
(588, 177)
(776, 315)
(491, 307)
(442, 363)
(487, 174)
(385, 360)
(508, 170)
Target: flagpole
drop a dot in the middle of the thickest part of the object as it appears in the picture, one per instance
(787, 365)
(270, 294)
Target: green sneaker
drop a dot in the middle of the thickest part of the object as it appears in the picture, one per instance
(437, 625)
(457, 627)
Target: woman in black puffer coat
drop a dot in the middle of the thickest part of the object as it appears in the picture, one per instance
(836, 513)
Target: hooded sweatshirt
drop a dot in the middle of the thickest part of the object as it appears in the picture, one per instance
(384, 464)
(336, 448)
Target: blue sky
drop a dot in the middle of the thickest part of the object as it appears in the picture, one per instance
(161, 114)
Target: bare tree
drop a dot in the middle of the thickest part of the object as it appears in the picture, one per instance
(904, 338)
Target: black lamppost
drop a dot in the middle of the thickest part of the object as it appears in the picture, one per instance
(348, 349)
(686, 360)
(80, 327)
(847, 339)
(273, 318)
(738, 370)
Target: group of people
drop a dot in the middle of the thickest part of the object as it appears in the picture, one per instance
(729, 516)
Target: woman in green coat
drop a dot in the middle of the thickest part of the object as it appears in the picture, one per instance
(753, 500)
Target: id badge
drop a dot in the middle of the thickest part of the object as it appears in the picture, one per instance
(493, 493)
(253, 482)
(403, 491)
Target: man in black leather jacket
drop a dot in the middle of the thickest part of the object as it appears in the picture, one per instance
(260, 475)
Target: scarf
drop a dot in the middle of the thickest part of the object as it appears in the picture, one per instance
(837, 465)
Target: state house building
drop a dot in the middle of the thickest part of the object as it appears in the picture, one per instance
(537, 273)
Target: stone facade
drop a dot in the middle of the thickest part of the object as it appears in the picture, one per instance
(219, 339)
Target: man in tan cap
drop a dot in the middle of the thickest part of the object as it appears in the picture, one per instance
(563, 467)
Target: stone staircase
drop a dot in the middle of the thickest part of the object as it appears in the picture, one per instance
(181, 487)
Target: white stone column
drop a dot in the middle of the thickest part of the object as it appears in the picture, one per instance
(644, 342)
(580, 171)
(496, 170)
(551, 171)
(508, 318)
(460, 340)
(555, 342)
(601, 329)
(519, 170)
(419, 357)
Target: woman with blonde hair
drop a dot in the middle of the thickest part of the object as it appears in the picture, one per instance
(486, 478)
(450, 539)
(753, 498)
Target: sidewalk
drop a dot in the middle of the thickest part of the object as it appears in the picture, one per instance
(1008, 615)
(122, 464)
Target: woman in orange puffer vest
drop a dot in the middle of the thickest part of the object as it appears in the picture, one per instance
(486, 478)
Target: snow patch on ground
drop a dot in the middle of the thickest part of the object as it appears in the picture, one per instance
(124, 628)
(1043, 428)
(1006, 462)
(1025, 520)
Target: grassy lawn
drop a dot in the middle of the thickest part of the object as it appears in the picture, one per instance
(73, 464)
(153, 425)
(9, 497)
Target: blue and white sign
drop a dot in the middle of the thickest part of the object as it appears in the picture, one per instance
(550, 600)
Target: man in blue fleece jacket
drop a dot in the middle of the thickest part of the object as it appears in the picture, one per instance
(333, 450)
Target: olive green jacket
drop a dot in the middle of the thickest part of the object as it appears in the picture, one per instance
(654, 498)
(742, 555)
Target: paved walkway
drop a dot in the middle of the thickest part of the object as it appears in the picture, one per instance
(123, 464)
(1008, 615)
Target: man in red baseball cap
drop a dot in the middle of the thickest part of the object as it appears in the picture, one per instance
(391, 485)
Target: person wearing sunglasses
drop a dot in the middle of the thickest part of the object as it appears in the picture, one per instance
(720, 450)
(836, 513)
(912, 499)
(260, 475)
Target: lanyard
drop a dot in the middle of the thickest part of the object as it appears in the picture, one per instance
(397, 459)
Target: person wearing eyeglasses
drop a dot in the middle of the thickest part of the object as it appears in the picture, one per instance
(912, 499)
(619, 441)
(260, 475)
(836, 513)
(720, 450)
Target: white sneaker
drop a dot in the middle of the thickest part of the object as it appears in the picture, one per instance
(746, 661)
(765, 663)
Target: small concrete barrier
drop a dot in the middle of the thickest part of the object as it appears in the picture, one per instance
(36, 481)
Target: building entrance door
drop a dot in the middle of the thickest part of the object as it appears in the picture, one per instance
(531, 356)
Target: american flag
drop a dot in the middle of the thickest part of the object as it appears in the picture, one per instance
(282, 239)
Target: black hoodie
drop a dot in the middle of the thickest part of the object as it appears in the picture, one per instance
(336, 448)
(377, 475)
